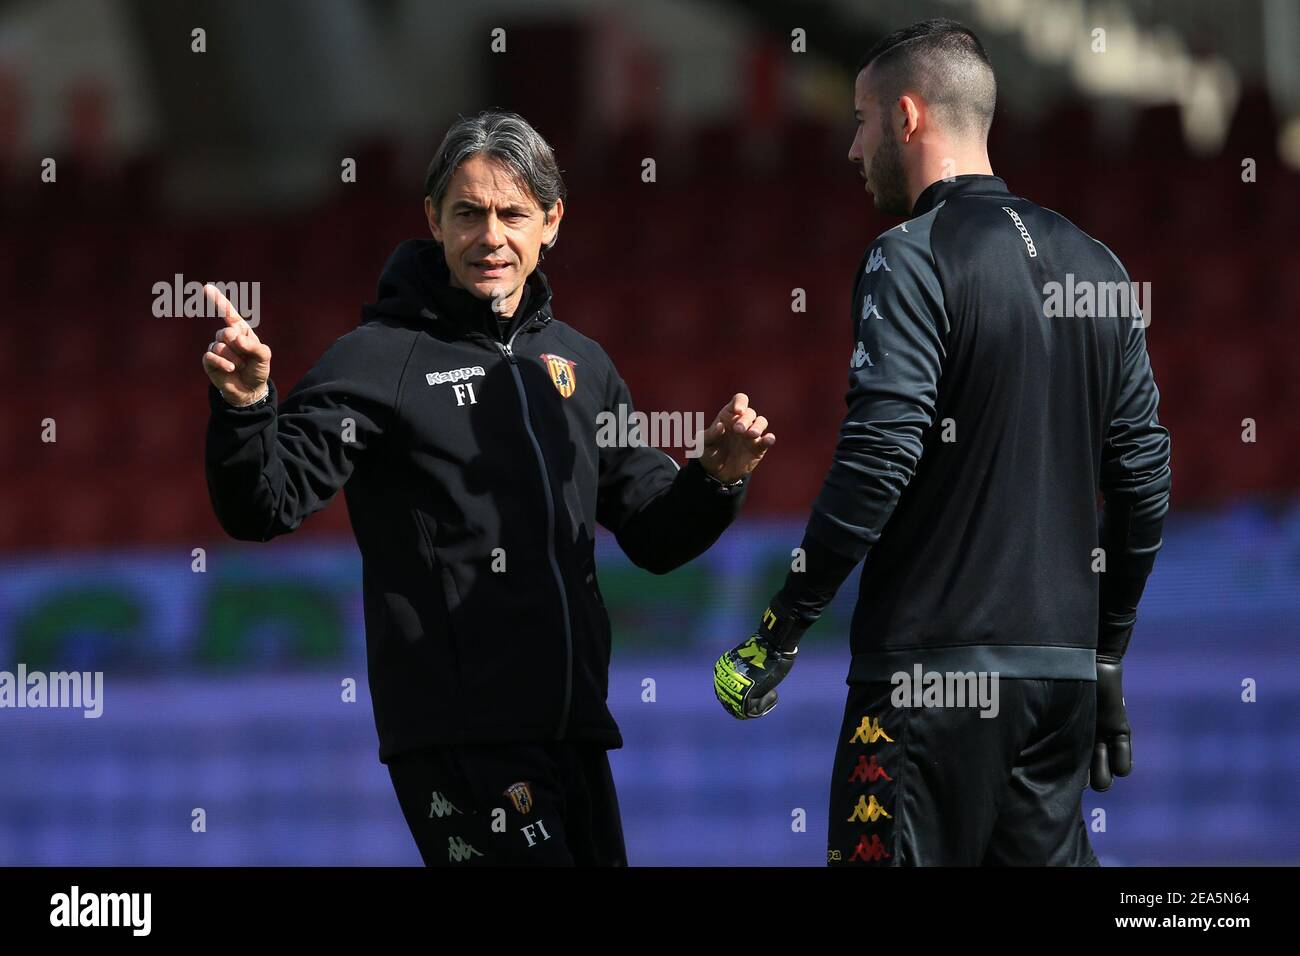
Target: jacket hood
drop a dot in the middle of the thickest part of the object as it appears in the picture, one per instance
(416, 269)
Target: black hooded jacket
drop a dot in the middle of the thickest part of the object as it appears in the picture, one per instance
(469, 459)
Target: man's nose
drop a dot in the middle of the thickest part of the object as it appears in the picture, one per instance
(493, 234)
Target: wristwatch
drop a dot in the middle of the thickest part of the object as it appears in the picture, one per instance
(250, 404)
(722, 485)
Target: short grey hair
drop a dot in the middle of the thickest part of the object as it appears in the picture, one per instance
(508, 138)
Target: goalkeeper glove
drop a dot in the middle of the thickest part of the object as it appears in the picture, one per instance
(1112, 749)
(745, 678)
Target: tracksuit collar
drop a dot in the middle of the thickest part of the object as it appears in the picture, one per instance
(942, 190)
(415, 285)
(472, 314)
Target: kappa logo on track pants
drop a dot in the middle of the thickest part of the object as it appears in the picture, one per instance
(511, 804)
(934, 786)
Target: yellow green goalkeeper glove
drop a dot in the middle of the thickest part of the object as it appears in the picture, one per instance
(745, 678)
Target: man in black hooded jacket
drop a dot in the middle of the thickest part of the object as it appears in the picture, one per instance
(461, 420)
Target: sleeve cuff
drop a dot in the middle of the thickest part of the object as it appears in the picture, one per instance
(697, 473)
(218, 404)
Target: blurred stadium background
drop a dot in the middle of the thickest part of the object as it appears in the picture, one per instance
(222, 689)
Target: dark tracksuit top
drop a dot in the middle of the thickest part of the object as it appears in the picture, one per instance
(978, 432)
(474, 481)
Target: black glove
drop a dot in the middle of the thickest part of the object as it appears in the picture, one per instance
(1112, 749)
(745, 678)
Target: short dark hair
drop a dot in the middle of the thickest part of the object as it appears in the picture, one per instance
(943, 61)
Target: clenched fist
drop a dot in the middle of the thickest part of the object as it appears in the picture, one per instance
(236, 361)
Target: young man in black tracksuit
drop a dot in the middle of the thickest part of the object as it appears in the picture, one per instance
(461, 420)
(984, 413)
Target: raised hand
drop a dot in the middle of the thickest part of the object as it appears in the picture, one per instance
(736, 441)
(236, 361)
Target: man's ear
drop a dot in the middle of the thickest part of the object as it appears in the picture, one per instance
(911, 111)
(552, 227)
(431, 214)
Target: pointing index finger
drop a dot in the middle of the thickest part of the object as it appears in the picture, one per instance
(228, 311)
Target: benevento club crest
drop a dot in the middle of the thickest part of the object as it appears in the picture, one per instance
(520, 794)
(562, 374)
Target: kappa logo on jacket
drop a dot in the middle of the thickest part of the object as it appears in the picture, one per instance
(877, 261)
(562, 373)
(458, 378)
(454, 375)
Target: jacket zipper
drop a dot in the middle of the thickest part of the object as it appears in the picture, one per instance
(550, 530)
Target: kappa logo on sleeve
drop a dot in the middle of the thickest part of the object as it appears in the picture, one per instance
(877, 261)
(869, 308)
(861, 357)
